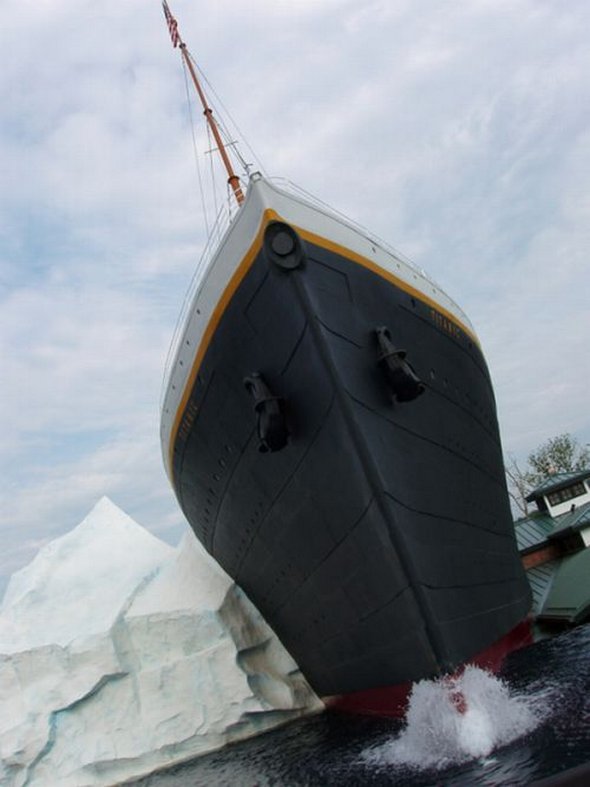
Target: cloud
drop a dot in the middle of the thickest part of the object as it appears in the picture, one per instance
(456, 131)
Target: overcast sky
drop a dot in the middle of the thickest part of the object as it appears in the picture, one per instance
(457, 130)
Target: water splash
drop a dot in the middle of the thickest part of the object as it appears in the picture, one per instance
(453, 720)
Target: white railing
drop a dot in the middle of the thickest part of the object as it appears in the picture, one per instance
(292, 188)
(216, 233)
(297, 191)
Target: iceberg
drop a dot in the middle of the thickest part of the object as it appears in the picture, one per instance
(121, 655)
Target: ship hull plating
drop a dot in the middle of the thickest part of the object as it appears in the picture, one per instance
(378, 542)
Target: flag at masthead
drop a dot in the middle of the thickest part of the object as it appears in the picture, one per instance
(172, 25)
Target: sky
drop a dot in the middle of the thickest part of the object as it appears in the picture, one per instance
(456, 130)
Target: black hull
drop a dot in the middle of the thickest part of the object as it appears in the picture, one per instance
(378, 543)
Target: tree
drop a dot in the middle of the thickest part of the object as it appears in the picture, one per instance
(561, 454)
(518, 486)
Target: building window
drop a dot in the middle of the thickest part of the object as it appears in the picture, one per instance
(575, 490)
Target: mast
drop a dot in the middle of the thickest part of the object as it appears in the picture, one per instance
(232, 178)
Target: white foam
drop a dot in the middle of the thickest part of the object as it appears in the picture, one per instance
(438, 732)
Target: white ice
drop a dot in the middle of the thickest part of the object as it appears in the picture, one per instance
(453, 720)
(120, 655)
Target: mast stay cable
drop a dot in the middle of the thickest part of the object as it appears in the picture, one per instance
(225, 112)
(177, 41)
(195, 151)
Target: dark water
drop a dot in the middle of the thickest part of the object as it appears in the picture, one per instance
(330, 749)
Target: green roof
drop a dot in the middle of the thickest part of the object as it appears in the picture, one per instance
(534, 529)
(540, 579)
(540, 526)
(578, 519)
(569, 597)
(557, 481)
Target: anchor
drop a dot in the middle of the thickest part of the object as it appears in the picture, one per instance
(270, 422)
(401, 378)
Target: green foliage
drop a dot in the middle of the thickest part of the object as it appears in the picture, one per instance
(561, 454)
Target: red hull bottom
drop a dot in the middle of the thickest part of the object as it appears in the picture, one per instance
(393, 700)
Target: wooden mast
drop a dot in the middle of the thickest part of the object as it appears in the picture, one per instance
(232, 178)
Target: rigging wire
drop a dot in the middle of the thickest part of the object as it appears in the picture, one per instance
(225, 112)
(221, 132)
(227, 199)
(195, 150)
(212, 170)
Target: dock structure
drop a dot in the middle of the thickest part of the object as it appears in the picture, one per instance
(554, 545)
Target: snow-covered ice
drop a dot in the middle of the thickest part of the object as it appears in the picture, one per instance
(120, 655)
